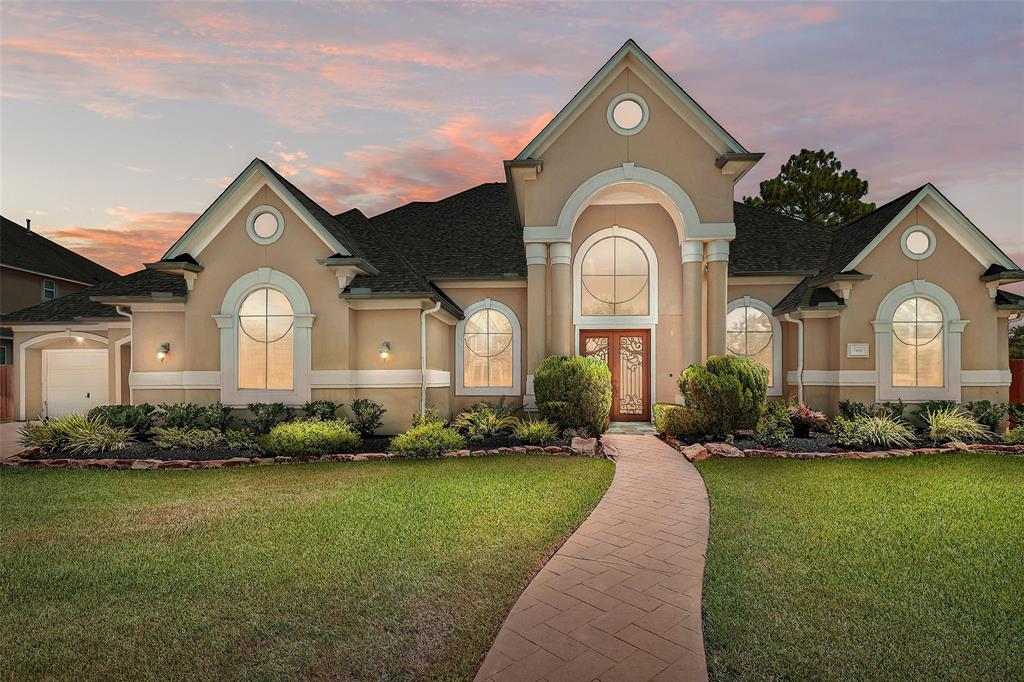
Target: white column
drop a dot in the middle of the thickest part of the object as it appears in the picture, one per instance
(561, 299)
(536, 313)
(718, 294)
(693, 282)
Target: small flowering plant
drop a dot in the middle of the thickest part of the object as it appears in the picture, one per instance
(804, 420)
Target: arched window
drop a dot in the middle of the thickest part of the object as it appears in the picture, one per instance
(751, 331)
(266, 341)
(615, 278)
(917, 344)
(488, 350)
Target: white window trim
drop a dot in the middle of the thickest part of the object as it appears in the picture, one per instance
(632, 96)
(250, 224)
(931, 242)
(952, 329)
(517, 352)
(612, 321)
(227, 321)
(43, 293)
(776, 388)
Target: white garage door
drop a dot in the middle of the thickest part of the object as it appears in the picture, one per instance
(74, 380)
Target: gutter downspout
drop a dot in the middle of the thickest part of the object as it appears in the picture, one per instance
(423, 356)
(131, 330)
(799, 357)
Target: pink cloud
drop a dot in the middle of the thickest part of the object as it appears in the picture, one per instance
(744, 24)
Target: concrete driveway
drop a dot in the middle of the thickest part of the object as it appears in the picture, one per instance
(9, 439)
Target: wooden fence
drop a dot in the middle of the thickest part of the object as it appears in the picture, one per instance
(1017, 382)
(6, 391)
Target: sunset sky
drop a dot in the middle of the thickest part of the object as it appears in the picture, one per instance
(120, 122)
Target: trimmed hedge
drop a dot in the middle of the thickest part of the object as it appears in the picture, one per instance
(427, 440)
(574, 392)
(679, 420)
(728, 390)
(310, 438)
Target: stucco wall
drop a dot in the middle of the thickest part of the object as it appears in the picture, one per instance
(588, 146)
(20, 289)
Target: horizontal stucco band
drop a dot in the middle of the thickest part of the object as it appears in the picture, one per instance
(319, 378)
(854, 377)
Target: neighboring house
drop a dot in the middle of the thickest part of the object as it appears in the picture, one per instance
(615, 235)
(34, 269)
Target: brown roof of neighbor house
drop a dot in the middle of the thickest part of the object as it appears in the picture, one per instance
(24, 249)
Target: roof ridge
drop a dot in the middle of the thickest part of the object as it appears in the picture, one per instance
(780, 214)
(883, 206)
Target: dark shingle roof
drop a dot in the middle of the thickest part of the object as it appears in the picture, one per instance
(769, 242)
(470, 235)
(80, 305)
(1010, 300)
(27, 250)
(338, 230)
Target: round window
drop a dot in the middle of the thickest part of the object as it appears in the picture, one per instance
(627, 114)
(265, 224)
(918, 242)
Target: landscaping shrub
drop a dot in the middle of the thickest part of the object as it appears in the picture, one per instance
(881, 431)
(1014, 436)
(138, 418)
(482, 421)
(987, 413)
(950, 423)
(1015, 412)
(893, 410)
(321, 410)
(178, 415)
(265, 416)
(218, 416)
(310, 437)
(428, 440)
(805, 420)
(920, 412)
(186, 438)
(429, 416)
(75, 434)
(534, 431)
(242, 439)
(574, 392)
(679, 420)
(367, 416)
(728, 390)
(851, 409)
(775, 426)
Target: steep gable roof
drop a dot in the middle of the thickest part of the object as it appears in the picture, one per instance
(853, 237)
(771, 243)
(24, 249)
(630, 49)
(319, 219)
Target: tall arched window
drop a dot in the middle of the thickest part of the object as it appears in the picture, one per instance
(917, 344)
(488, 350)
(615, 278)
(265, 341)
(750, 331)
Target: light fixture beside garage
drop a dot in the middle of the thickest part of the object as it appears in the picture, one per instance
(385, 350)
(163, 350)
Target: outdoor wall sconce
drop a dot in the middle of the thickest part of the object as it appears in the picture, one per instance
(163, 350)
(385, 350)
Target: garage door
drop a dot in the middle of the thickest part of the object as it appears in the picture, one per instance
(74, 380)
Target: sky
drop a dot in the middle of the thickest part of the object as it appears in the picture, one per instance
(120, 122)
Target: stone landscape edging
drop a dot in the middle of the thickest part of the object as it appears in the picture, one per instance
(581, 447)
(699, 452)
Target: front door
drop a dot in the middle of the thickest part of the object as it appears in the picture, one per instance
(627, 352)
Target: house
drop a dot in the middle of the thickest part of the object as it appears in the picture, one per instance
(615, 235)
(34, 269)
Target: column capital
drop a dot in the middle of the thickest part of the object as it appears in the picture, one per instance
(561, 253)
(692, 251)
(718, 250)
(536, 253)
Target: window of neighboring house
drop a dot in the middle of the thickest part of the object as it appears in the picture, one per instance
(748, 332)
(615, 278)
(49, 290)
(4, 360)
(266, 341)
(917, 344)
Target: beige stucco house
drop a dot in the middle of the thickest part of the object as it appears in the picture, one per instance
(616, 234)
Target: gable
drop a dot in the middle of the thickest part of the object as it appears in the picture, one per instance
(257, 176)
(642, 67)
(932, 203)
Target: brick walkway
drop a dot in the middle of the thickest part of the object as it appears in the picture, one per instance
(621, 599)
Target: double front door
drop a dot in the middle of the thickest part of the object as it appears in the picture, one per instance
(627, 352)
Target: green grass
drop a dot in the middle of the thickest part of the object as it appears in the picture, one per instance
(882, 569)
(383, 571)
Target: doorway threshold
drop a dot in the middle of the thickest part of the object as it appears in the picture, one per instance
(632, 428)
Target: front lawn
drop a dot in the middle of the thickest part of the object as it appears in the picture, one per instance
(879, 569)
(390, 571)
